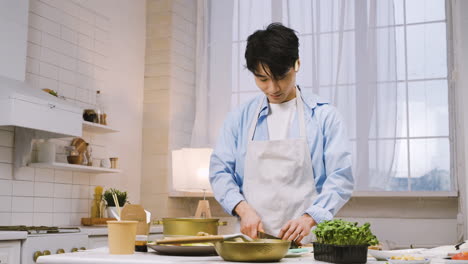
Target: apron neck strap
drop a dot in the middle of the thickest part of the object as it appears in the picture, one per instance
(300, 116)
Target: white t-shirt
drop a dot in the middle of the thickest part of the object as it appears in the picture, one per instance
(280, 119)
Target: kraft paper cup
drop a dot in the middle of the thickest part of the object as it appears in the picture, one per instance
(122, 237)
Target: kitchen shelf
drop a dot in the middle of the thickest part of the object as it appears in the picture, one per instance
(72, 167)
(97, 128)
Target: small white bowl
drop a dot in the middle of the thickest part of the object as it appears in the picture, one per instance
(399, 261)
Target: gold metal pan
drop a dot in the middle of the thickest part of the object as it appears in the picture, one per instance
(259, 250)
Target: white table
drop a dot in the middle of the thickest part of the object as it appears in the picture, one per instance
(101, 255)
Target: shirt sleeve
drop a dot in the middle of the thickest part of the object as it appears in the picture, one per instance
(222, 166)
(339, 182)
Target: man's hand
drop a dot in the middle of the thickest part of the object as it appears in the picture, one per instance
(297, 229)
(250, 221)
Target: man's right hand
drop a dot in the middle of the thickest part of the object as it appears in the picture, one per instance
(250, 221)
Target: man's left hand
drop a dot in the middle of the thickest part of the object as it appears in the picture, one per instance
(297, 229)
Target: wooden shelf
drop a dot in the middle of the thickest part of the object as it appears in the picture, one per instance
(97, 128)
(72, 167)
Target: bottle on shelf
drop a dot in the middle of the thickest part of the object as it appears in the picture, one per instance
(96, 209)
(100, 110)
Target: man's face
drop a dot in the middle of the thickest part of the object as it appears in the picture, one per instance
(277, 91)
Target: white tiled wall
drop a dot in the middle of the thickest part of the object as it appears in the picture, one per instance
(67, 52)
(67, 49)
(42, 196)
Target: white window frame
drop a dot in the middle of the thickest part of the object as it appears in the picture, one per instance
(278, 12)
(454, 170)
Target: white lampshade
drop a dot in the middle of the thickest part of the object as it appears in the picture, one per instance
(190, 168)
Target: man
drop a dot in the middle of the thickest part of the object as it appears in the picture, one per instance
(281, 163)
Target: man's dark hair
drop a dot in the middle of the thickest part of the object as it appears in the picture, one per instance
(276, 47)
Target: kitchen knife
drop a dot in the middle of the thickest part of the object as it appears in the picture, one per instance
(268, 236)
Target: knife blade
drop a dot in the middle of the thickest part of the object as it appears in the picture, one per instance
(268, 236)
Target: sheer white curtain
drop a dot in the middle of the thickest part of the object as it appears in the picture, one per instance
(199, 131)
(348, 57)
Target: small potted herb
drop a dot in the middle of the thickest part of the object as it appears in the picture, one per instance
(340, 241)
(121, 199)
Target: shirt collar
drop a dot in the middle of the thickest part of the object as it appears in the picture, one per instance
(310, 102)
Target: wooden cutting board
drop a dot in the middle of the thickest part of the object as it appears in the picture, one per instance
(95, 221)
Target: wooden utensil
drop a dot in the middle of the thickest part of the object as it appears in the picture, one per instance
(201, 239)
(80, 145)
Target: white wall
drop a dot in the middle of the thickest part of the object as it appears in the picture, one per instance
(13, 34)
(78, 47)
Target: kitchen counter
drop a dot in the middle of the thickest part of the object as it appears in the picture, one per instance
(13, 235)
(101, 255)
(102, 230)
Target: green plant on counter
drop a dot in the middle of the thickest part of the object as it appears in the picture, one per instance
(340, 232)
(121, 197)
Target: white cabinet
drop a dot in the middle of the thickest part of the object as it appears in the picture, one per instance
(10, 251)
(24, 106)
(97, 241)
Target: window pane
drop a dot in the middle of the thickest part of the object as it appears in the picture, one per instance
(400, 53)
(427, 51)
(385, 118)
(430, 164)
(315, 18)
(253, 15)
(328, 14)
(347, 62)
(385, 52)
(399, 12)
(306, 75)
(402, 128)
(388, 165)
(345, 100)
(327, 58)
(246, 78)
(385, 13)
(324, 53)
(424, 10)
(303, 22)
(428, 108)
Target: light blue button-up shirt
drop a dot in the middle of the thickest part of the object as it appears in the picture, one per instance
(329, 152)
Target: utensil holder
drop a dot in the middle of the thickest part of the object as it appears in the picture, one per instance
(122, 236)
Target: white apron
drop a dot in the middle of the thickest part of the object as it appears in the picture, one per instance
(278, 177)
